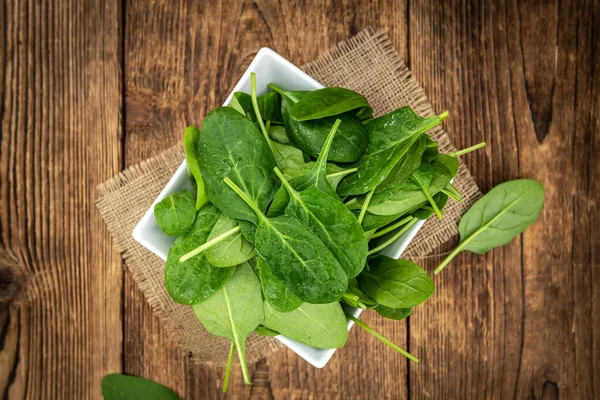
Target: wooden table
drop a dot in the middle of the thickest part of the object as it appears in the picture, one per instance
(89, 89)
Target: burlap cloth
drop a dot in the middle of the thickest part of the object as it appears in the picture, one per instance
(366, 63)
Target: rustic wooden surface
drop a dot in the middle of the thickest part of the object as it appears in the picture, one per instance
(92, 87)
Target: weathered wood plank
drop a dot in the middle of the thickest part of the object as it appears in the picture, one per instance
(61, 136)
(518, 322)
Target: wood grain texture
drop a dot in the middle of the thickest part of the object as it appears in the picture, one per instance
(521, 322)
(61, 136)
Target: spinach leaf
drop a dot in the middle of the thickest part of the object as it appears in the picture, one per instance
(263, 330)
(190, 140)
(125, 387)
(331, 222)
(269, 105)
(275, 291)
(390, 138)
(318, 325)
(175, 213)
(328, 102)
(233, 250)
(395, 283)
(289, 159)
(196, 279)
(279, 135)
(499, 216)
(303, 262)
(234, 312)
(393, 313)
(411, 197)
(232, 146)
(316, 176)
(310, 136)
(400, 173)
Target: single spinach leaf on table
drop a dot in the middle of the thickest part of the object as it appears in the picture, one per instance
(390, 138)
(395, 283)
(331, 222)
(328, 102)
(498, 217)
(232, 251)
(230, 145)
(323, 326)
(190, 141)
(269, 105)
(234, 312)
(126, 387)
(309, 136)
(194, 280)
(303, 262)
(393, 313)
(275, 292)
(175, 214)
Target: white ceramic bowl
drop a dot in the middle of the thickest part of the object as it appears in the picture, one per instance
(269, 67)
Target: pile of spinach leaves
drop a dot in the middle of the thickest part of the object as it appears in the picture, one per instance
(294, 194)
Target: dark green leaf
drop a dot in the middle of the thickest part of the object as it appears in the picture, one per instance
(390, 138)
(318, 325)
(175, 213)
(125, 387)
(194, 280)
(190, 143)
(269, 105)
(303, 262)
(395, 283)
(499, 216)
(234, 312)
(275, 291)
(393, 313)
(400, 173)
(232, 146)
(327, 102)
(232, 251)
(331, 222)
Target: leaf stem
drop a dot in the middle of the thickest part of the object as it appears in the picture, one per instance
(383, 339)
(394, 237)
(363, 209)
(391, 227)
(467, 150)
(209, 244)
(342, 173)
(444, 115)
(447, 260)
(432, 202)
(257, 111)
(228, 368)
(282, 92)
(284, 182)
(451, 191)
(321, 162)
(245, 197)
